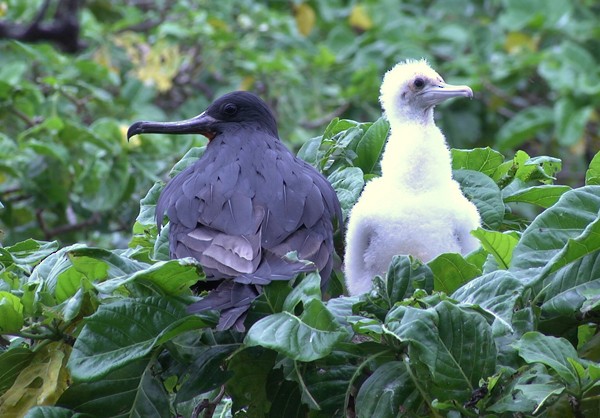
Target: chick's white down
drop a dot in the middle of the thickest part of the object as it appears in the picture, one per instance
(415, 207)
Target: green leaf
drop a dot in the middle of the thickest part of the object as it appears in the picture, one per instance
(544, 196)
(206, 372)
(173, 277)
(568, 304)
(27, 252)
(592, 175)
(499, 244)
(484, 160)
(484, 193)
(454, 344)
(147, 215)
(120, 333)
(450, 271)
(306, 338)
(404, 275)
(524, 126)
(389, 389)
(535, 347)
(188, 159)
(348, 184)
(248, 387)
(570, 121)
(496, 292)
(130, 390)
(370, 147)
(12, 362)
(11, 313)
(308, 289)
(551, 231)
(53, 412)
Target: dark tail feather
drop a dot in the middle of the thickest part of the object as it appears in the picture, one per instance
(232, 299)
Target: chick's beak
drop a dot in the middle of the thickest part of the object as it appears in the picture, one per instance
(440, 91)
(202, 124)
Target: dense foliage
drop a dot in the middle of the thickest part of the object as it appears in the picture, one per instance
(510, 330)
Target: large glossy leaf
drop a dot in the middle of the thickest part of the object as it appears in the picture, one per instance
(371, 145)
(553, 352)
(28, 252)
(388, 390)
(484, 160)
(404, 275)
(450, 271)
(132, 390)
(497, 292)
(455, 345)
(53, 412)
(484, 193)
(592, 175)
(206, 372)
(499, 245)
(173, 277)
(305, 338)
(544, 196)
(248, 387)
(11, 313)
(121, 332)
(348, 184)
(550, 232)
(568, 304)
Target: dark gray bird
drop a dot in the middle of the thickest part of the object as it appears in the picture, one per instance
(245, 204)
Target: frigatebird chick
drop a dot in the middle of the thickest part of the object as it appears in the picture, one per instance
(415, 207)
(245, 204)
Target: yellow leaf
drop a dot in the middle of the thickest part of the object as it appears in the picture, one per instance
(305, 18)
(247, 83)
(3, 9)
(42, 382)
(518, 42)
(359, 18)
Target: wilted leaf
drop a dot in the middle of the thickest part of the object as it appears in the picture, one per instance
(41, 382)
(305, 18)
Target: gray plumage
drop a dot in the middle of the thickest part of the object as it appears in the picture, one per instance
(245, 204)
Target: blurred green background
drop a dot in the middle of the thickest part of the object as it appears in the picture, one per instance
(68, 173)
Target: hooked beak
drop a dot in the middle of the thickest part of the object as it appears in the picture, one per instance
(441, 91)
(202, 124)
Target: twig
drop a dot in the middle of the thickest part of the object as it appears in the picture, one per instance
(311, 124)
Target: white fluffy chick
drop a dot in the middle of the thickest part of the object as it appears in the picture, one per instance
(415, 207)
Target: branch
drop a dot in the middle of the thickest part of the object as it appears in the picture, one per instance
(311, 124)
(63, 30)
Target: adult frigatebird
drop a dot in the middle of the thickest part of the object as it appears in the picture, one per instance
(415, 207)
(245, 204)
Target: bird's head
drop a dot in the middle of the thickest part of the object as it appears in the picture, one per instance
(411, 89)
(228, 111)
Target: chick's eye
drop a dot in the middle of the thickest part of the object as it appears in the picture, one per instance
(419, 83)
(230, 109)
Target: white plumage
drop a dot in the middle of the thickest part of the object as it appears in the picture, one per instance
(415, 207)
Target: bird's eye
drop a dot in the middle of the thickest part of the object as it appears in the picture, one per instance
(230, 109)
(419, 83)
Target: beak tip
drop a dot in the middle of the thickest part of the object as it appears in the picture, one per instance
(135, 129)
